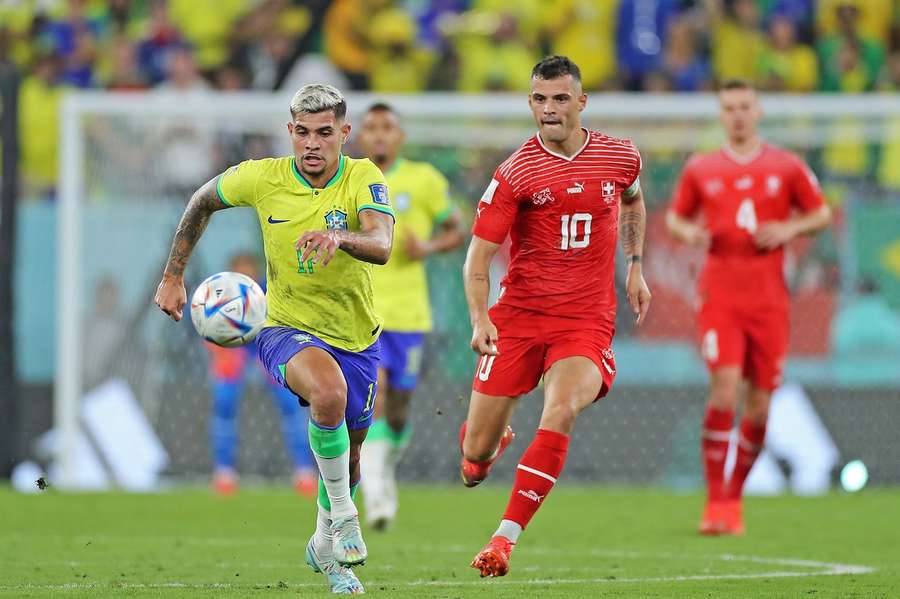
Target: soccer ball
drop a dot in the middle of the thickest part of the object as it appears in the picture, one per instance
(228, 309)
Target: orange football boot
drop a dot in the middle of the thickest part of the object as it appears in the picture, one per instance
(713, 522)
(732, 517)
(475, 472)
(225, 482)
(493, 560)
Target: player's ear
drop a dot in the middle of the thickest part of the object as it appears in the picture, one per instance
(345, 132)
(582, 101)
(290, 127)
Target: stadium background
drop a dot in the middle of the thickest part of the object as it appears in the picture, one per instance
(138, 172)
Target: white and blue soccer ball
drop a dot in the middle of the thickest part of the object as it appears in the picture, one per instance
(228, 309)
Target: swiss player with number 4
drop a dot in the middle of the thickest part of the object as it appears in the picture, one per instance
(561, 197)
(753, 197)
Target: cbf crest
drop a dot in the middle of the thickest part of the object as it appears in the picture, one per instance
(336, 219)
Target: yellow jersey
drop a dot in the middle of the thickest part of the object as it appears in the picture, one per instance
(420, 197)
(333, 302)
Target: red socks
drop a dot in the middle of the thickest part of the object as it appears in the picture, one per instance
(714, 447)
(535, 475)
(750, 443)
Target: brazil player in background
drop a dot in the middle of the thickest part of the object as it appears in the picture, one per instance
(426, 224)
(754, 198)
(325, 219)
(228, 371)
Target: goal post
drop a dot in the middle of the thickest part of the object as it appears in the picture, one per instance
(128, 163)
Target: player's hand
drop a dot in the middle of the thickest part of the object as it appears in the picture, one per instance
(171, 296)
(484, 337)
(698, 236)
(323, 243)
(415, 248)
(773, 234)
(638, 293)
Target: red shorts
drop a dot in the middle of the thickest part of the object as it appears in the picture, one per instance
(528, 346)
(754, 338)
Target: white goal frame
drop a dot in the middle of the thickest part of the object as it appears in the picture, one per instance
(77, 105)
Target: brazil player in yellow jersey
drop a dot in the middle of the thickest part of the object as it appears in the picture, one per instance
(426, 224)
(326, 220)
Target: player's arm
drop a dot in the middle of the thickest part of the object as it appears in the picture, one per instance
(450, 236)
(685, 204)
(686, 230)
(171, 295)
(372, 243)
(773, 234)
(632, 225)
(477, 282)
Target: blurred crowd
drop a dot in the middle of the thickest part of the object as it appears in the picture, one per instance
(464, 45)
(409, 46)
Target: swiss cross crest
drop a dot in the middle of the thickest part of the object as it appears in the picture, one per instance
(542, 197)
(609, 191)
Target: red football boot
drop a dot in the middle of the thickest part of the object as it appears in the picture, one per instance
(475, 472)
(713, 522)
(732, 517)
(225, 482)
(493, 560)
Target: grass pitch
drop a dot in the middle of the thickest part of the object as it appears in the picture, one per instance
(585, 542)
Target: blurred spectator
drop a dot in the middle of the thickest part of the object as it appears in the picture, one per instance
(398, 65)
(641, 32)
(785, 65)
(850, 62)
(585, 31)
(687, 69)
(430, 18)
(737, 42)
(499, 61)
(74, 37)
(209, 26)
(876, 18)
(230, 78)
(39, 100)
(122, 71)
(347, 38)
(161, 38)
(182, 74)
(17, 21)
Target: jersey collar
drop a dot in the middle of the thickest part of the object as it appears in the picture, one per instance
(587, 140)
(743, 160)
(341, 161)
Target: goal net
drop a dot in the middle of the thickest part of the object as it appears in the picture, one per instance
(130, 163)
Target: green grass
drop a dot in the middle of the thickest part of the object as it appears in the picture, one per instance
(586, 542)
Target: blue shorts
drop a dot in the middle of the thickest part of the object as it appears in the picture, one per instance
(401, 356)
(277, 345)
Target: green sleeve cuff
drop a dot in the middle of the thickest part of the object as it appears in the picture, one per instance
(442, 216)
(377, 208)
(220, 194)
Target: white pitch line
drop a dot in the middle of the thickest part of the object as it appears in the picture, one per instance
(819, 569)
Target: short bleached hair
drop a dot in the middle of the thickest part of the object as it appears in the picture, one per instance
(318, 97)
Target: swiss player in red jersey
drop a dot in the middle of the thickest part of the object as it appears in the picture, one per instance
(561, 197)
(752, 198)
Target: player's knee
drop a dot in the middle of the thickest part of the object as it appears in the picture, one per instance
(560, 416)
(723, 394)
(757, 409)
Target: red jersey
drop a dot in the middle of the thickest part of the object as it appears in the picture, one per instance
(562, 217)
(736, 195)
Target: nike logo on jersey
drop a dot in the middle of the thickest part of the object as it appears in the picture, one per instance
(275, 221)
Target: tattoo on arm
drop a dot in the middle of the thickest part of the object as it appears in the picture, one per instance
(196, 215)
(632, 221)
